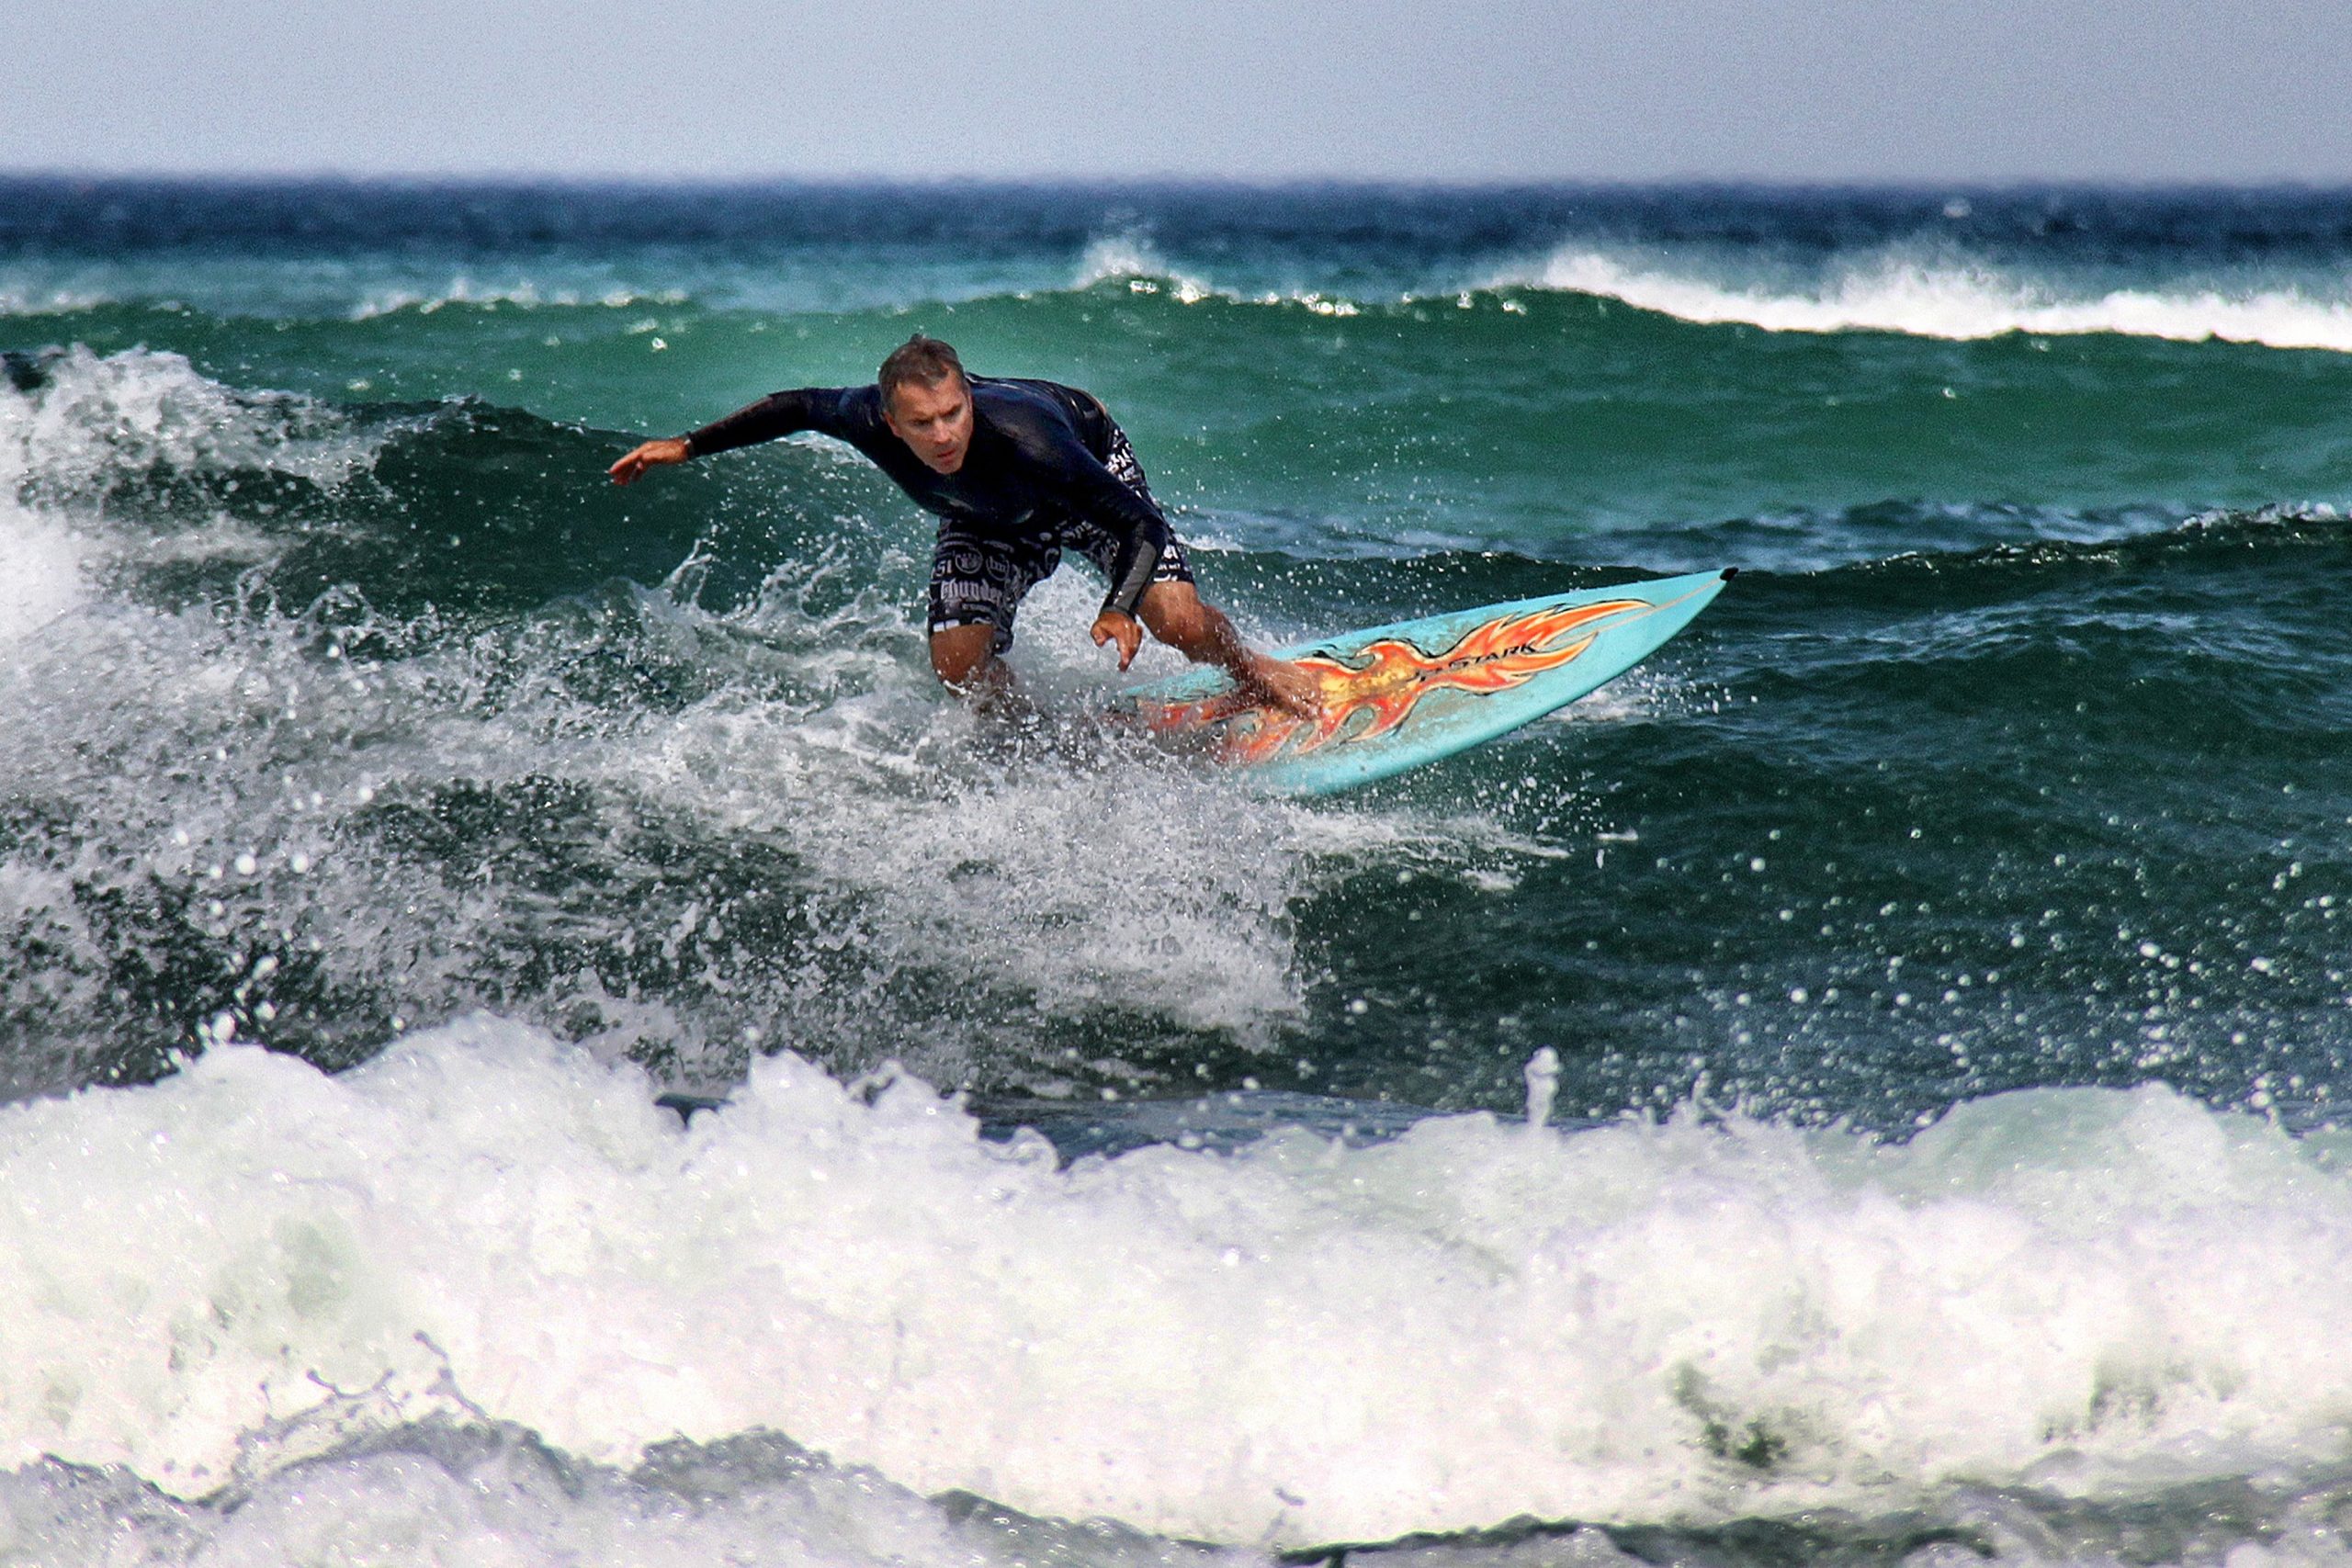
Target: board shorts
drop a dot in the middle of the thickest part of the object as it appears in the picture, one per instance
(980, 579)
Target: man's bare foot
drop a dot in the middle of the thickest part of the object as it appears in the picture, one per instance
(1290, 687)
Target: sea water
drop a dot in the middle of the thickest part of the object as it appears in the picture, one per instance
(1938, 946)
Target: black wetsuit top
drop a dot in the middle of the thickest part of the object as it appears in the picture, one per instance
(1036, 460)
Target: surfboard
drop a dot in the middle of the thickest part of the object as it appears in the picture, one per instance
(1400, 695)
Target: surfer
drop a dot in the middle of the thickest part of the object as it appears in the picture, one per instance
(1016, 472)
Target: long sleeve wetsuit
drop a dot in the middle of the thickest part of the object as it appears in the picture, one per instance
(1036, 459)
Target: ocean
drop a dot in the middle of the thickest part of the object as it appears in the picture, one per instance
(1860, 1088)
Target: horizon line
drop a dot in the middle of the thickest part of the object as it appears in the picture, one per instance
(645, 182)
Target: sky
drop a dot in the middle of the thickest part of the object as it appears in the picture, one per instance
(1954, 91)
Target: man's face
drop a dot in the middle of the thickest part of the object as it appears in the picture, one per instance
(935, 421)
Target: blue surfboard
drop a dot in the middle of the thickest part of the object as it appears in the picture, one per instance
(1399, 695)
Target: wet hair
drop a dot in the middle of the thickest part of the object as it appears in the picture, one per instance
(920, 362)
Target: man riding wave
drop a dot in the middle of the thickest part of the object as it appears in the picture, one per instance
(1016, 472)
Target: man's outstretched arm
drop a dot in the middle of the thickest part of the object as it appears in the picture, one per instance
(779, 414)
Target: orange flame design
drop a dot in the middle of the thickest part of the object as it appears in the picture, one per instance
(1388, 681)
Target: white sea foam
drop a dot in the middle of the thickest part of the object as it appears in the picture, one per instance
(39, 301)
(1112, 879)
(41, 572)
(91, 417)
(1132, 259)
(1945, 297)
(484, 1498)
(523, 294)
(2089, 1289)
(1035, 893)
(90, 421)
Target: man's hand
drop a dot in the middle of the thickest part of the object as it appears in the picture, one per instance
(651, 454)
(1126, 628)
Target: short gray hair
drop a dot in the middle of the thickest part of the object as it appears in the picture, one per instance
(920, 361)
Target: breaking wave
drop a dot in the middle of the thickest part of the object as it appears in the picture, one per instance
(1949, 299)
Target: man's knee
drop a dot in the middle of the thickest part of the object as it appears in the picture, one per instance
(962, 656)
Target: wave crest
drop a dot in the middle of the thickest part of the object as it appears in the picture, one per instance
(1132, 259)
(524, 295)
(1950, 297)
(73, 420)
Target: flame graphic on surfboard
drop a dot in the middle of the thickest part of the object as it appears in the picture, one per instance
(1388, 679)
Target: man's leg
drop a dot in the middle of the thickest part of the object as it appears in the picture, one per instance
(976, 586)
(1176, 614)
(964, 658)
